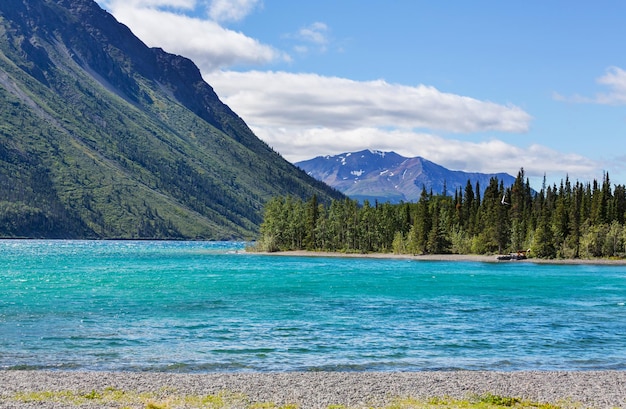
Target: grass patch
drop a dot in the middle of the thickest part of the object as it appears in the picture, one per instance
(170, 399)
(487, 401)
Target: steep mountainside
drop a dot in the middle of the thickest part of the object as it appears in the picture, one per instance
(387, 176)
(103, 137)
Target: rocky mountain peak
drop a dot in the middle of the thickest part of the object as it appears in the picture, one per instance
(388, 176)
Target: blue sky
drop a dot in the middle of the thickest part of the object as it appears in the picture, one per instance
(481, 86)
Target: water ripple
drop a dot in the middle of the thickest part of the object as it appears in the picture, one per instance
(207, 307)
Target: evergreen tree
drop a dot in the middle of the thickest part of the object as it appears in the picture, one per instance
(543, 243)
(422, 223)
(519, 212)
(467, 207)
(491, 226)
(312, 215)
(585, 220)
(560, 219)
(618, 206)
(438, 242)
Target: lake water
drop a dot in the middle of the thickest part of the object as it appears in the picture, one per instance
(208, 307)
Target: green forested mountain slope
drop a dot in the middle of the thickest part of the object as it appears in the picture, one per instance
(103, 137)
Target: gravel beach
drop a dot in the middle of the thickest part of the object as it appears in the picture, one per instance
(312, 390)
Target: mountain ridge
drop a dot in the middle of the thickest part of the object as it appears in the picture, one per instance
(387, 176)
(104, 137)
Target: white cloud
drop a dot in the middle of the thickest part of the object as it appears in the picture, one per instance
(306, 115)
(493, 156)
(314, 37)
(231, 10)
(287, 99)
(614, 79)
(208, 44)
(315, 33)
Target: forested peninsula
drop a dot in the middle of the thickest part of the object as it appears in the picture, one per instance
(569, 221)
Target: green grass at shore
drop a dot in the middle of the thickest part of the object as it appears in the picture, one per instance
(168, 398)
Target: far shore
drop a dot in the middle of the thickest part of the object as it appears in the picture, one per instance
(443, 257)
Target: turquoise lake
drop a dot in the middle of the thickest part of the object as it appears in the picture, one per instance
(209, 307)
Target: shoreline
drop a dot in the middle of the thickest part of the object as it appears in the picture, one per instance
(441, 257)
(316, 390)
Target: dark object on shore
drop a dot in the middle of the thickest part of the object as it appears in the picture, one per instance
(519, 255)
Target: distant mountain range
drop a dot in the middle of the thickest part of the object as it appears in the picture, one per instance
(386, 176)
(104, 137)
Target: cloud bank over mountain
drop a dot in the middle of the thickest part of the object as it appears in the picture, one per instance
(305, 114)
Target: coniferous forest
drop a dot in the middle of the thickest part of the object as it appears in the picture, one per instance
(571, 220)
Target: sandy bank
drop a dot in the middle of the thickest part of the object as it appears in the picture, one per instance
(313, 390)
(443, 257)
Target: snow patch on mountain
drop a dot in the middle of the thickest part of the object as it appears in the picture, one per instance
(388, 176)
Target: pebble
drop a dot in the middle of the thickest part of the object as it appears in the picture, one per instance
(315, 390)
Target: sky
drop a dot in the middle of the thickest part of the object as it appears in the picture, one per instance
(479, 86)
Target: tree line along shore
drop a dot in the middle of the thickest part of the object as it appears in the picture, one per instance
(568, 221)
